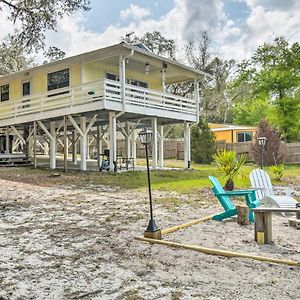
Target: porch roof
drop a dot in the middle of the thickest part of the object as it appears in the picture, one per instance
(176, 72)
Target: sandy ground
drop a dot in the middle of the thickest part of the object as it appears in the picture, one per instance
(70, 243)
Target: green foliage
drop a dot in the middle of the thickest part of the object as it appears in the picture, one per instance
(202, 143)
(229, 166)
(277, 170)
(274, 149)
(155, 41)
(250, 111)
(35, 17)
(13, 56)
(287, 118)
(52, 54)
(268, 86)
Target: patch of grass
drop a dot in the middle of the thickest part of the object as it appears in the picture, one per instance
(178, 180)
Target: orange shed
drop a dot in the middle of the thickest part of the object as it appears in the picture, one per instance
(233, 133)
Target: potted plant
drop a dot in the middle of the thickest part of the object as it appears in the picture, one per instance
(229, 166)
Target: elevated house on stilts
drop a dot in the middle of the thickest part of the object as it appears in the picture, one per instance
(117, 88)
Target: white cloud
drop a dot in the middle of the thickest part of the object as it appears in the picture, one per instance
(268, 19)
(73, 38)
(184, 22)
(134, 12)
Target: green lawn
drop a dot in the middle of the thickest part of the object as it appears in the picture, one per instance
(178, 180)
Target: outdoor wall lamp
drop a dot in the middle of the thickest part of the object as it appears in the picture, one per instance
(262, 143)
(152, 230)
(147, 70)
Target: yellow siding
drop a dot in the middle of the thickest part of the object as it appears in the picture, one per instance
(226, 134)
(75, 75)
(223, 136)
(39, 82)
(90, 72)
(97, 71)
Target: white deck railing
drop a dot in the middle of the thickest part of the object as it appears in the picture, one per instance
(87, 93)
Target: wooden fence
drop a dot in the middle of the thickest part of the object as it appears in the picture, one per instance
(174, 149)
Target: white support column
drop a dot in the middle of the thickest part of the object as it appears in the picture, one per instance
(34, 144)
(74, 147)
(154, 143)
(46, 148)
(187, 145)
(161, 146)
(127, 139)
(52, 145)
(99, 145)
(112, 140)
(88, 146)
(83, 144)
(133, 144)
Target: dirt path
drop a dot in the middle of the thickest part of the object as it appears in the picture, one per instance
(69, 243)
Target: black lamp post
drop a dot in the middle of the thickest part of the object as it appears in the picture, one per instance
(262, 143)
(152, 230)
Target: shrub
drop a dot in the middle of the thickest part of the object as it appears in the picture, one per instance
(273, 150)
(277, 170)
(202, 143)
(229, 166)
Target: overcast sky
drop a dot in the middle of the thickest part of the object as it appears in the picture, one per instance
(236, 27)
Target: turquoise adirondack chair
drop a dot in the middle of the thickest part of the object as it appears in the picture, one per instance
(229, 207)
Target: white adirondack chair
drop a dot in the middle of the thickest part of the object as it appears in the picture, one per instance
(260, 181)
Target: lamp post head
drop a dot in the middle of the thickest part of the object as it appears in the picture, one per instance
(145, 136)
(262, 141)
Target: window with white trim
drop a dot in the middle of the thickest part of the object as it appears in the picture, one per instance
(4, 92)
(246, 136)
(58, 79)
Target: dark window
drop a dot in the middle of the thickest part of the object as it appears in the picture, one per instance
(26, 88)
(143, 84)
(112, 77)
(128, 81)
(58, 79)
(248, 136)
(244, 136)
(5, 92)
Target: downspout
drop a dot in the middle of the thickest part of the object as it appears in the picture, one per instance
(122, 62)
(197, 96)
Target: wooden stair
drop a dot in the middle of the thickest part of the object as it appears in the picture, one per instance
(14, 160)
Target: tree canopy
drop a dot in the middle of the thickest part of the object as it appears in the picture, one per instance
(32, 19)
(268, 86)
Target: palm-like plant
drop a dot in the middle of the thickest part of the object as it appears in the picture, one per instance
(230, 166)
